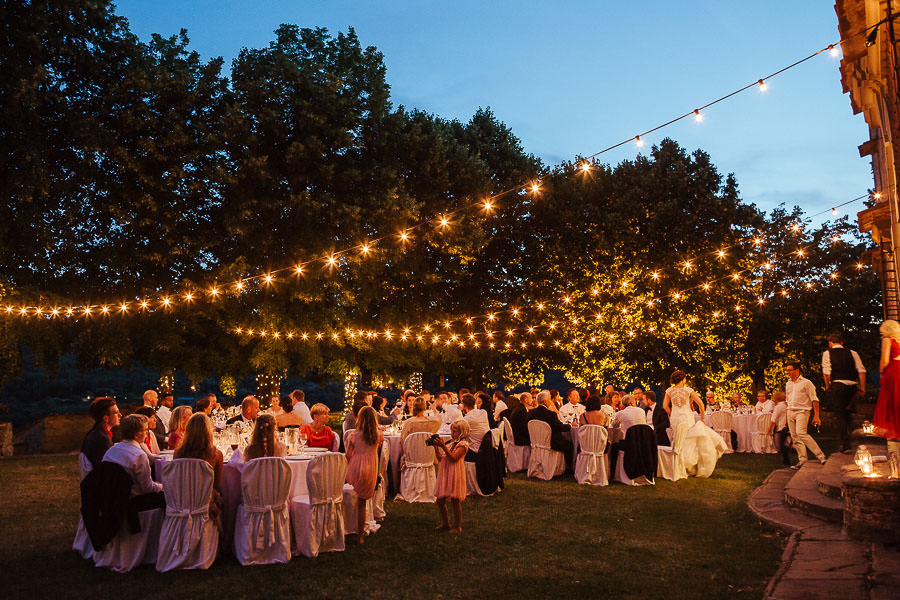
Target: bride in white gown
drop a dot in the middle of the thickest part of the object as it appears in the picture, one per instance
(702, 447)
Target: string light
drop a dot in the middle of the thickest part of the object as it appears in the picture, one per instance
(638, 141)
(763, 86)
(698, 116)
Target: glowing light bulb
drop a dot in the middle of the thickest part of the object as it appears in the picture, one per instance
(540, 306)
(567, 299)
(676, 296)
(491, 317)
(761, 301)
(540, 344)
(188, 297)
(638, 141)
(834, 211)
(515, 312)
(404, 236)
(721, 254)
(268, 278)
(585, 167)
(214, 292)
(239, 285)
(122, 308)
(444, 221)
(488, 206)
(835, 238)
(144, 304)
(427, 328)
(757, 241)
(238, 331)
(535, 188)
(531, 330)
(706, 286)
(655, 274)
(800, 252)
(877, 195)
(767, 266)
(332, 261)
(166, 302)
(364, 249)
(687, 265)
(834, 50)
(447, 325)
(763, 86)
(736, 276)
(715, 314)
(698, 116)
(859, 265)
(54, 312)
(509, 333)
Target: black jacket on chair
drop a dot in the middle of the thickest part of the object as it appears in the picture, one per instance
(518, 420)
(105, 493)
(490, 465)
(641, 455)
(557, 427)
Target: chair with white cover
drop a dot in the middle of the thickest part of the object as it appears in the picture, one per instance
(516, 456)
(721, 421)
(82, 543)
(129, 550)
(671, 459)
(621, 474)
(417, 477)
(350, 502)
(262, 529)
(190, 539)
(544, 462)
(347, 434)
(336, 444)
(377, 500)
(318, 518)
(763, 441)
(590, 466)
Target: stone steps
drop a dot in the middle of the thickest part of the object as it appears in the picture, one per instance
(802, 494)
(828, 480)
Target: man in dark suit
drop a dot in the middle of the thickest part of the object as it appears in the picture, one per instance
(151, 399)
(249, 410)
(99, 439)
(658, 417)
(543, 413)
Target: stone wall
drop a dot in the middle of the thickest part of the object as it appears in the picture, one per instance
(871, 505)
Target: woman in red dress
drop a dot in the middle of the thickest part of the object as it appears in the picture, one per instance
(887, 411)
(318, 433)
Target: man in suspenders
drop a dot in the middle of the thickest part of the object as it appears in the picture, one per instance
(845, 377)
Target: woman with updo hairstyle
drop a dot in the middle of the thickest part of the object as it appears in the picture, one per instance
(264, 442)
(287, 417)
(362, 466)
(678, 401)
(177, 424)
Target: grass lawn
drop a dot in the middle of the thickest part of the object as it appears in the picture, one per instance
(691, 539)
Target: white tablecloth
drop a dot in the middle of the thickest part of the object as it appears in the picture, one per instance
(745, 428)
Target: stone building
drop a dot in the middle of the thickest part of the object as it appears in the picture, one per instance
(869, 73)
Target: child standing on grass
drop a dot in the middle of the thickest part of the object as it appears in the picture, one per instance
(451, 475)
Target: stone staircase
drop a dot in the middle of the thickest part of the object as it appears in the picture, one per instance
(820, 559)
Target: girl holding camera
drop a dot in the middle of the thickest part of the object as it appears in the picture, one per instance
(451, 475)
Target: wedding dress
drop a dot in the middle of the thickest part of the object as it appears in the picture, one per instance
(702, 447)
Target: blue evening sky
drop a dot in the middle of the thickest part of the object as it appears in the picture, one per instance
(573, 78)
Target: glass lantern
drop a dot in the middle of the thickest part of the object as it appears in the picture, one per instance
(863, 460)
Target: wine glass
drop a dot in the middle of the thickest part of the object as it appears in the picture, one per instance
(303, 439)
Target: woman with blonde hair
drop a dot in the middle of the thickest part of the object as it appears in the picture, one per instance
(362, 466)
(887, 410)
(177, 424)
(318, 433)
(264, 442)
(198, 443)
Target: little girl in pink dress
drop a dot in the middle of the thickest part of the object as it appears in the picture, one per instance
(451, 474)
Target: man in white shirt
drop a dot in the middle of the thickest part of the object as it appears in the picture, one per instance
(129, 455)
(298, 399)
(629, 416)
(572, 410)
(801, 398)
(763, 404)
(447, 412)
(845, 377)
(478, 422)
(164, 412)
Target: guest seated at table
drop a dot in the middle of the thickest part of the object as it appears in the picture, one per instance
(736, 401)
(149, 445)
(484, 402)
(711, 403)
(177, 425)
(287, 417)
(478, 424)
(362, 462)
(630, 415)
(543, 412)
(593, 413)
(763, 404)
(206, 404)
(318, 433)
(98, 440)
(499, 405)
(608, 409)
(572, 410)
(511, 403)
(264, 442)
(418, 423)
(447, 412)
(360, 399)
(518, 419)
(130, 455)
(555, 398)
(298, 398)
(249, 411)
(198, 443)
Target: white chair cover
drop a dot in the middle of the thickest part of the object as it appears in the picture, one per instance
(318, 518)
(377, 500)
(590, 466)
(127, 551)
(347, 434)
(336, 444)
(351, 501)
(82, 543)
(720, 421)
(189, 537)
(544, 462)
(763, 441)
(417, 477)
(262, 527)
(516, 456)
(671, 458)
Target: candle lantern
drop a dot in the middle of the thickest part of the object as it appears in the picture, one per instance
(863, 460)
(868, 428)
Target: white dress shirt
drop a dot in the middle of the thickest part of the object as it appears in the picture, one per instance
(779, 416)
(800, 394)
(478, 426)
(164, 414)
(569, 412)
(765, 407)
(649, 415)
(628, 416)
(450, 414)
(132, 458)
(499, 408)
(826, 365)
(303, 410)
